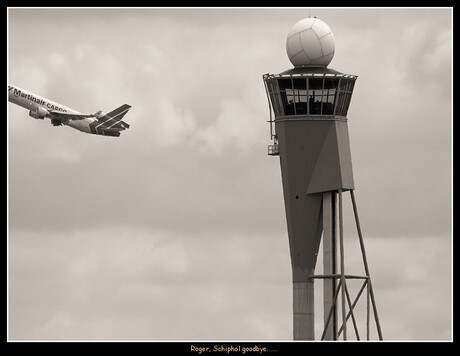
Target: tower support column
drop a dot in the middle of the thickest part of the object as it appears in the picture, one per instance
(304, 309)
(329, 263)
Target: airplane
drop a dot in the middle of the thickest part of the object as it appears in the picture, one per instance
(100, 123)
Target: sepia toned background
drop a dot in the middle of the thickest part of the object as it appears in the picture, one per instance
(176, 230)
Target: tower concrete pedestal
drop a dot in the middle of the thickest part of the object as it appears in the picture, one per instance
(303, 309)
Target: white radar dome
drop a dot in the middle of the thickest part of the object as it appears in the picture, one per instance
(310, 43)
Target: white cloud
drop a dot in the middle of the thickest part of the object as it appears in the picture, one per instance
(237, 128)
(57, 61)
(26, 71)
(56, 328)
(169, 125)
(229, 287)
(412, 279)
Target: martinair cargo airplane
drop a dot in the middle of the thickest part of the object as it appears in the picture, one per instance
(99, 123)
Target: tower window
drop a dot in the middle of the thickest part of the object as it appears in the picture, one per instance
(311, 95)
(315, 95)
(345, 90)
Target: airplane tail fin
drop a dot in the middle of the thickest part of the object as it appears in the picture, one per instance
(111, 124)
(118, 113)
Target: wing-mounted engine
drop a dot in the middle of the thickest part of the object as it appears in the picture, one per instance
(56, 122)
(40, 114)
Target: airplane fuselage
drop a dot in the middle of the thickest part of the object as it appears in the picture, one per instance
(36, 104)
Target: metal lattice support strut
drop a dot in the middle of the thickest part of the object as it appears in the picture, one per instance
(330, 327)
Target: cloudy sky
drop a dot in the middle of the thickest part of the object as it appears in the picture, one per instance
(176, 230)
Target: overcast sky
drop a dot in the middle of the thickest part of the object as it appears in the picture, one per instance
(176, 230)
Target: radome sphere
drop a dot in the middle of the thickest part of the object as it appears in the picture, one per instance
(310, 42)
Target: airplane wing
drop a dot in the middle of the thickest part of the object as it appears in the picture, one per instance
(64, 116)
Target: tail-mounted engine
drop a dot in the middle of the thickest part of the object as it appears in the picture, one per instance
(41, 113)
(99, 114)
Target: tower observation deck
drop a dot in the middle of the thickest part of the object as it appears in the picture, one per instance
(318, 93)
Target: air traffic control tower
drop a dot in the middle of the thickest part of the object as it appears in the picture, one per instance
(310, 135)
